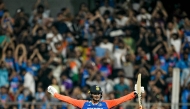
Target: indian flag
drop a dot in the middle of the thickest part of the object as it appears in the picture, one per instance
(74, 71)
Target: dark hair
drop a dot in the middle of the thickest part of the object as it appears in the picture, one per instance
(63, 9)
(113, 21)
(83, 3)
(22, 70)
(3, 87)
(101, 29)
(85, 40)
(92, 26)
(40, 6)
(39, 29)
(104, 37)
(9, 49)
(107, 12)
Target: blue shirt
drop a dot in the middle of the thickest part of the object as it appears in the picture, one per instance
(182, 64)
(1, 13)
(3, 77)
(104, 70)
(10, 62)
(184, 98)
(90, 105)
(4, 98)
(100, 52)
(14, 83)
(84, 77)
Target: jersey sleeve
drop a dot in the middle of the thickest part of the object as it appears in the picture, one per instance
(115, 102)
(74, 102)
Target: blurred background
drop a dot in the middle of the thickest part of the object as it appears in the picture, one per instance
(73, 45)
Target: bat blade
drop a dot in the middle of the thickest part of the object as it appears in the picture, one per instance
(139, 89)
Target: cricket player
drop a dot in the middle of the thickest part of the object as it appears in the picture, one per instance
(95, 102)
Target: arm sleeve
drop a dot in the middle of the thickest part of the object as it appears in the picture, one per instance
(74, 102)
(115, 102)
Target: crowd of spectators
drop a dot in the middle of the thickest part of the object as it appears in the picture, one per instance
(107, 46)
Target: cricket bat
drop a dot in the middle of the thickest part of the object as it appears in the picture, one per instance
(139, 90)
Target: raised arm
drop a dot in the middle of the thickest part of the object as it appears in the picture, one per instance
(4, 50)
(33, 54)
(35, 29)
(36, 4)
(24, 55)
(115, 102)
(39, 56)
(16, 52)
(156, 49)
(46, 4)
(74, 102)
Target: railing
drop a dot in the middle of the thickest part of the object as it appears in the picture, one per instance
(60, 105)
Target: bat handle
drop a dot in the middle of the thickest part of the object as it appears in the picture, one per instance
(140, 102)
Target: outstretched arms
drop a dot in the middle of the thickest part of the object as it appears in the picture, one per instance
(130, 96)
(74, 102)
(115, 102)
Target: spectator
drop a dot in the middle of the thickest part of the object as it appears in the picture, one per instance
(121, 19)
(20, 57)
(144, 17)
(55, 84)
(39, 34)
(183, 62)
(21, 22)
(158, 80)
(127, 81)
(28, 81)
(60, 24)
(185, 95)
(40, 94)
(7, 22)
(128, 40)
(121, 87)
(41, 13)
(4, 95)
(127, 65)
(171, 31)
(8, 55)
(78, 94)
(106, 45)
(159, 14)
(105, 67)
(118, 52)
(54, 37)
(4, 74)
(66, 83)
(14, 80)
(46, 78)
(96, 79)
(185, 77)
(106, 7)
